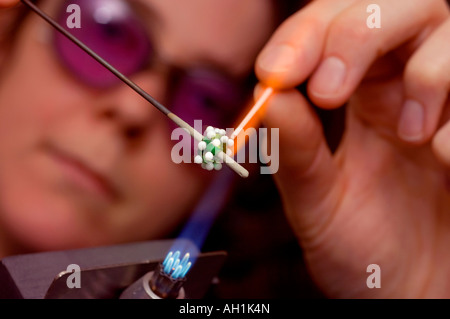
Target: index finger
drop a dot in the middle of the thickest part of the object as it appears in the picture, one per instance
(297, 44)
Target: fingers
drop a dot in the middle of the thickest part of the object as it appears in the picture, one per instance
(332, 41)
(8, 3)
(427, 85)
(352, 47)
(296, 47)
(307, 173)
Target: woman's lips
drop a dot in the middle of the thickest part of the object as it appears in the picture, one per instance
(83, 175)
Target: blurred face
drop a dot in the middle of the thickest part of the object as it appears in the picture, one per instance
(86, 161)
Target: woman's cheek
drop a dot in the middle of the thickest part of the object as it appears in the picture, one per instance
(35, 216)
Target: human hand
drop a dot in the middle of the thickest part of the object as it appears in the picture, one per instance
(384, 196)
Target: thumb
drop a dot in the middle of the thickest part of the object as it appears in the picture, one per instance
(307, 176)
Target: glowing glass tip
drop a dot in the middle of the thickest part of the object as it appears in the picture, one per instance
(174, 267)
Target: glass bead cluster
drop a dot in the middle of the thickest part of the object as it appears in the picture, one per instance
(214, 142)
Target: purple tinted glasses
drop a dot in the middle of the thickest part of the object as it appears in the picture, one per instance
(112, 29)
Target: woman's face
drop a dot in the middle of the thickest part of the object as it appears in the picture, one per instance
(82, 166)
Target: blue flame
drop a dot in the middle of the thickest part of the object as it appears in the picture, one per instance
(175, 268)
(197, 227)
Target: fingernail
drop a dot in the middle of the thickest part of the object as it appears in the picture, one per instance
(329, 77)
(412, 121)
(277, 59)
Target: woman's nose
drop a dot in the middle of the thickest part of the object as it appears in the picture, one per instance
(130, 112)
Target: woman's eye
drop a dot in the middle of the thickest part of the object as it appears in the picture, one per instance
(124, 36)
(122, 40)
(114, 31)
(207, 101)
(214, 101)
